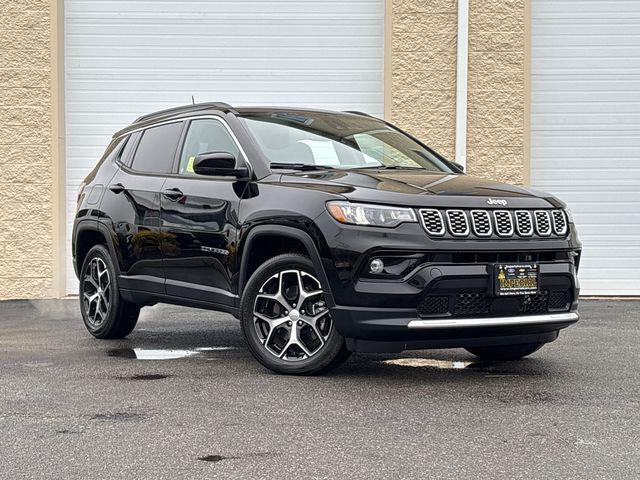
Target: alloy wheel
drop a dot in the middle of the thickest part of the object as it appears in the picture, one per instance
(96, 291)
(290, 316)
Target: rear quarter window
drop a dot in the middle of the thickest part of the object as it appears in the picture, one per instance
(157, 148)
(124, 156)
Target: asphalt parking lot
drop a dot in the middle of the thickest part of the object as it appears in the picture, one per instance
(182, 398)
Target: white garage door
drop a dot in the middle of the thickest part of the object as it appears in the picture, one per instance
(124, 58)
(586, 130)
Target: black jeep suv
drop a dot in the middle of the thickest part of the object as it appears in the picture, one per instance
(324, 233)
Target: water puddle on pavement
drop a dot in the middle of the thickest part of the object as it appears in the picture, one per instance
(428, 363)
(163, 354)
(488, 369)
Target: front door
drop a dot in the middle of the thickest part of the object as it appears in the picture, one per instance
(199, 220)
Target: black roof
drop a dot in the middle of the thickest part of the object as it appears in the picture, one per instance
(169, 113)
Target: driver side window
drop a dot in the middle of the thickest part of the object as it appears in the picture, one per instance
(206, 135)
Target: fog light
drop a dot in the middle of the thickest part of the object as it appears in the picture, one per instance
(376, 266)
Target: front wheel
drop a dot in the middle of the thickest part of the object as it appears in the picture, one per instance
(505, 352)
(285, 320)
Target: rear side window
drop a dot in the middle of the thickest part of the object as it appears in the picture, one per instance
(157, 149)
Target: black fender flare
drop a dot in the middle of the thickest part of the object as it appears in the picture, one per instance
(290, 232)
(96, 226)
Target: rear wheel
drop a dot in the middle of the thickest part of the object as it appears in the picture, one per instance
(105, 313)
(285, 320)
(505, 352)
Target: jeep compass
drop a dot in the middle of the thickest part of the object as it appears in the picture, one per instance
(324, 233)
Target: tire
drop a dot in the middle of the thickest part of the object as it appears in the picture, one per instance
(104, 312)
(505, 352)
(269, 323)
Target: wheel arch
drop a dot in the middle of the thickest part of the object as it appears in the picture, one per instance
(249, 262)
(87, 235)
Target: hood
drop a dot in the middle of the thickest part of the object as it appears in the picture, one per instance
(421, 188)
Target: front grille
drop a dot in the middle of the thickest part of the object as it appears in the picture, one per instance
(524, 223)
(559, 300)
(504, 223)
(536, 303)
(543, 223)
(471, 304)
(481, 223)
(479, 304)
(432, 222)
(433, 306)
(459, 223)
(559, 222)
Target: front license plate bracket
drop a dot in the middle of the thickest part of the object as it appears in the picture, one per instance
(516, 279)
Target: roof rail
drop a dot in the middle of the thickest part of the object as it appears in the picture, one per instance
(183, 109)
(356, 112)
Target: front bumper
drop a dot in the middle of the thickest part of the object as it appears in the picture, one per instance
(382, 330)
(472, 316)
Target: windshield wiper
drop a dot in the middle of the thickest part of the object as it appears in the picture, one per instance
(299, 166)
(389, 167)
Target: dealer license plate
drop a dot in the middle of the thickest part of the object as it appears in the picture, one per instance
(516, 279)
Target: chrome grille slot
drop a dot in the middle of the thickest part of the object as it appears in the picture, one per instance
(559, 222)
(481, 223)
(543, 223)
(432, 221)
(504, 223)
(524, 223)
(458, 223)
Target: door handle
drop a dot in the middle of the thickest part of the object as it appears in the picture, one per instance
(117, 188)
(173, 193)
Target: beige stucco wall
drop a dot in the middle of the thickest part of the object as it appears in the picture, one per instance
(422, 90)
(26, 142)
(422, 59)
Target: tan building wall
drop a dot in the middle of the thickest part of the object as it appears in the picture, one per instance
(26, 143)
(422, 79)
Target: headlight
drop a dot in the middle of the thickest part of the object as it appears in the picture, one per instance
(365, 214)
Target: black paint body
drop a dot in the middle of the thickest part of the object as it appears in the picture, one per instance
(199, 248)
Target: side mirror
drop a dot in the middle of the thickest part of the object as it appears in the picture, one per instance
(221, 164)
(457, 166)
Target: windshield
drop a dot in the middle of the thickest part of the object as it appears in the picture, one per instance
(338, 141)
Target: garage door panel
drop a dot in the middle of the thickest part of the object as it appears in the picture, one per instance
(606, 85)
(567, 64)
(581, 103)
(124, 59)
(585, 8)
(592, 156)
(218, 9)
(586, 130)
(584, 140)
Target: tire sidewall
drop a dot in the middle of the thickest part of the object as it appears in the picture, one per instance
(100, 251)
(315, 364)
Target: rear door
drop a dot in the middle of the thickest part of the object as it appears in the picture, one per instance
(132, 202)
(200, 219)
